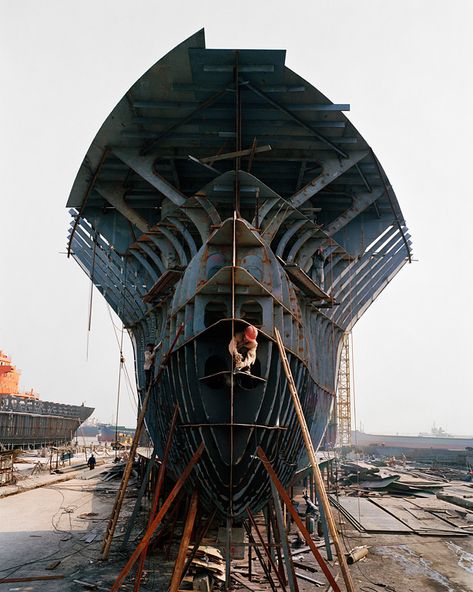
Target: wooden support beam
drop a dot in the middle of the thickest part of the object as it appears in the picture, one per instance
(141, 492)
(325, 504)
(107, 541)
(198, 540)
(157, 520)
(30, 579)
(185, 540)
(157, 494)
(295, 516)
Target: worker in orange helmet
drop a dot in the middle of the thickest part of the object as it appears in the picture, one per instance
(242, 348)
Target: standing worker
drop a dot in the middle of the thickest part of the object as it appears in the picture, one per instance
(319, 262)
(92, 461)
(148, 366)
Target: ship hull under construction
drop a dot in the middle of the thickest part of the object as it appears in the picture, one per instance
(31, 423)
(222, 192)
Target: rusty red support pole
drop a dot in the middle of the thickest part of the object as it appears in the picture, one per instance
(157, 493)
(112, 524)
(300, 525)
(186, 537)
(157, 520)
(199, 538)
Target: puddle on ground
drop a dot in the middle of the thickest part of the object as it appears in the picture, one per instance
(465, 560)
(414, 564)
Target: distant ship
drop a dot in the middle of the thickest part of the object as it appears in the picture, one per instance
(104, 432)
(89, 429)
(110, 433)
(28, 422)
(437, 439)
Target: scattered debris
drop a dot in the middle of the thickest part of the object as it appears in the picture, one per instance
(457, 500)
(356, 554)
(87, 515)
(90, 585)
(316, 583)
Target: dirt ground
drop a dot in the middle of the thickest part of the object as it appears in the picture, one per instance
(65, 522)
(412, 563)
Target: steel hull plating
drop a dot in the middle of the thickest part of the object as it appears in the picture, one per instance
(228, 475)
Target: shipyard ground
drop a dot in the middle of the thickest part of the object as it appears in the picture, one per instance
(60, 525)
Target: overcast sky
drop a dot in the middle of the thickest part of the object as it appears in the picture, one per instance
(405, 68)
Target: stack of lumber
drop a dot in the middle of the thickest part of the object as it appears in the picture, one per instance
(207, 561)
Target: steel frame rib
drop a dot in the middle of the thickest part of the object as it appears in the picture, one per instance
(302, 123)
(207, 103)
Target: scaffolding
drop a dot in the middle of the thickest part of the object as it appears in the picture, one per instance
(344, 395)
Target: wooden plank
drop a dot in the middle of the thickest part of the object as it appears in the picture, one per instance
(30, 579)
(301, 565)
(246, 583)
(185, 540)
(309, 579)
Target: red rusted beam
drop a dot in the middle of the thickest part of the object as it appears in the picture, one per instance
(185, 540)
(300, 525)
(112, 524)
(199, 538)
(157, 493)
(30, 579)
(157, 520)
